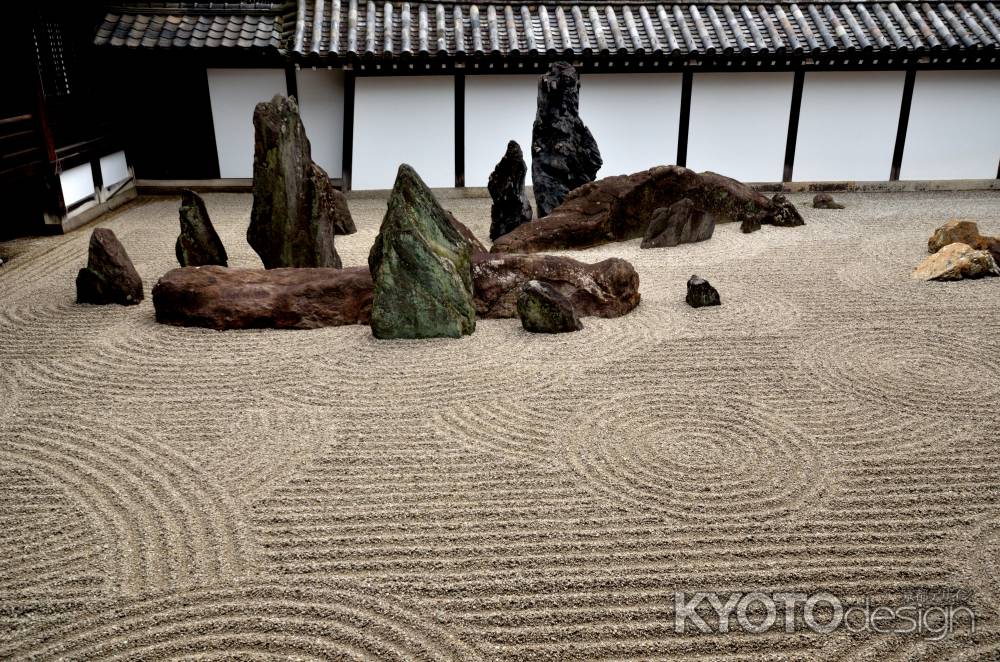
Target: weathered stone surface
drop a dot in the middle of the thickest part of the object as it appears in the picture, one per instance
(506, 186)
(564, 154)
(421, 266)
(701, 293)
(223, 298)
(475, 246)
(198, 243)
(680, 223)
(110, 276)
(543, 309)
(606, 289)
(621, 207)
(957, 261)
(825, 201)
(296, 210)
(965, 232)
(785, 214)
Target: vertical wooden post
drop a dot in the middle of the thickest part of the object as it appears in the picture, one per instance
(348, 156)
(685, 120)
(291, 81)
(904, 122)
(459, 129)
(793, 125)
(98, 177)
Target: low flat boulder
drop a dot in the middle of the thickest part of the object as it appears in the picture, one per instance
(701, 293)
(680, 223)
(955, 262)
(198, 244)
(963, 232)
(284, 298)
(621, 207)
(110, 276)
(544, 309)
(825, 201)
(606, 289)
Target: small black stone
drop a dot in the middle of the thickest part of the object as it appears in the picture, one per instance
(701, 293)
(825, 201)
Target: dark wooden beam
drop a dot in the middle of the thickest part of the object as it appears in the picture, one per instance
(98, 177)
(904, 122)
(793, 125)
(459, 129)
(348, 156)
(685, 120)
(291, 81)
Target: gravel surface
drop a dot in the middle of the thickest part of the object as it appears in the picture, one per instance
(832, 426)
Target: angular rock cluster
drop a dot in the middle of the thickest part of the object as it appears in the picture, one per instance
(959, 251)
(296, 209)
(564, 154)
(965, 232)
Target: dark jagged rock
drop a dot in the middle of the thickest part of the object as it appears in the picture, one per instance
(701, 293)
(223, 298)
(109, 276)
(964, 232)
(198, 243)
(621, 207)
(475, 246)
(785, 214)
(421, 266)
(296, 210)
(510, 204)
(564, 154)
(680, 223)
(825, 201)
(543, 309)
(606, 289)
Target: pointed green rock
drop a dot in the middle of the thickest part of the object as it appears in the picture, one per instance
(422, 268)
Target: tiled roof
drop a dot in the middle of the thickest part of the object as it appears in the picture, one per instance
(350, 27)
(193, 24)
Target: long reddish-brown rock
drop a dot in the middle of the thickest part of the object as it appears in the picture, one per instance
(620, 207)
(606, 289)
(227, 298)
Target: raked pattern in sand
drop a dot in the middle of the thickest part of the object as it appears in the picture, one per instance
(169, 492)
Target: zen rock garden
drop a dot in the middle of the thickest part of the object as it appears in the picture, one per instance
(428, 275)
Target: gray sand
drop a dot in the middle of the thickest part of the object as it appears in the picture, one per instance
(170, 492)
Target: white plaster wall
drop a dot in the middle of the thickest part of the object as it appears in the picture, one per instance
(114, 168)
(404, 119)
(234, 94)
(497, 109)
(954, 129)
(739, 124)
(847, 126)
(634, 118)
(77, 183)
(321, 104)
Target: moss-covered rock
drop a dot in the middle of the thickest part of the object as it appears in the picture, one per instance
(422, 267)
(544, 309)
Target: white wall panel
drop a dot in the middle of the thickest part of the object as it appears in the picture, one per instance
(497, 109)
(739, 124)
(77, 183)
(114, 168)
(234, 94)
(321, 104)
(403, 119)
(634, 118)
(954, 130)
(847, 126)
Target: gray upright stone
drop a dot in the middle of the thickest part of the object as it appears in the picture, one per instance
(510, 204)
(198, 244)
(109, 276)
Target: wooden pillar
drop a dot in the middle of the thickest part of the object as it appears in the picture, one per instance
(793, 125)
(348, 156)
(904, 122)
(459, 129)
(291, 81)
(98, 177)
(685, 120)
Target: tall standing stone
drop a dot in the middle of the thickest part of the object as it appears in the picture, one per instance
(110, 276)
(422, 267)
(510, 204)
(198, 244)
(296, 210)
(564, 154)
